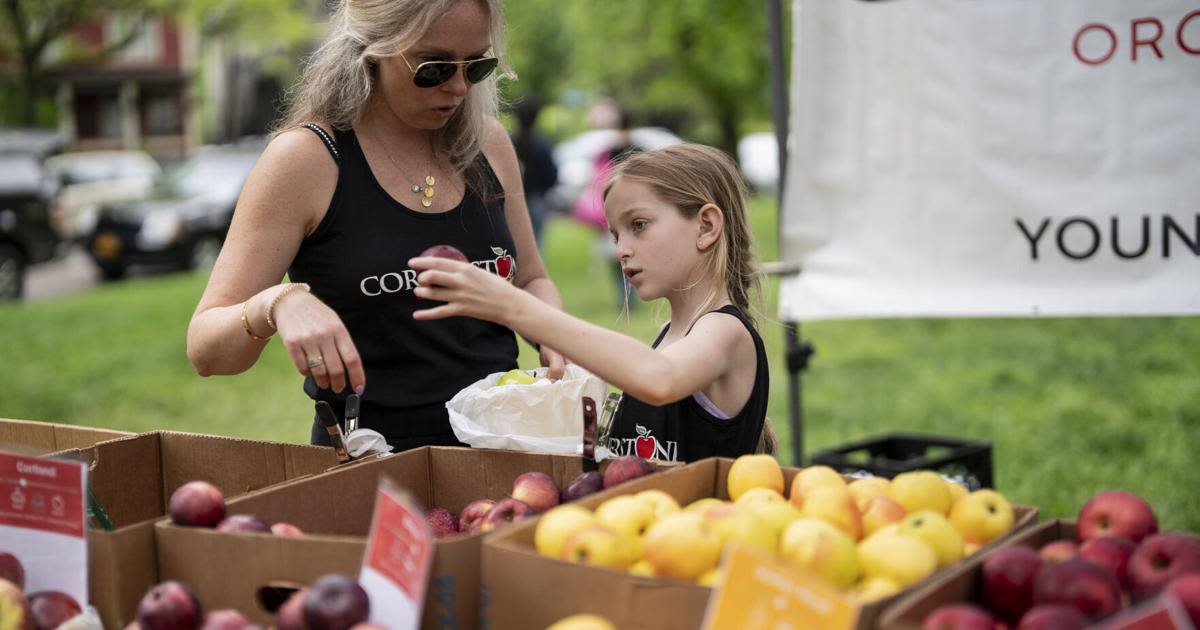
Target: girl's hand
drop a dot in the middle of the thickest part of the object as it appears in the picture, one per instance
(318, 342)
(467, 290)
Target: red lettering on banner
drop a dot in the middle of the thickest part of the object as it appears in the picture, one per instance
(1102, 41)
(1152, 42)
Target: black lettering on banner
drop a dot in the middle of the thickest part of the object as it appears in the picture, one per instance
(1170, 226)
(1116, 240)
(1033, 238)
(1061, 238)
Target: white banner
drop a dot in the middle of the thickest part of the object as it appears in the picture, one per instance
(993, 158)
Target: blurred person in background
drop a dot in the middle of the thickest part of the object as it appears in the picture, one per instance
(538, 171)
(389, 146)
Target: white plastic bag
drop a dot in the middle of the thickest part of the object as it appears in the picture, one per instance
(543, 416)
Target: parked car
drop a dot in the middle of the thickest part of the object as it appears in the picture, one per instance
(93, 178)
(26, 234)
(182, 224)
(576, 158)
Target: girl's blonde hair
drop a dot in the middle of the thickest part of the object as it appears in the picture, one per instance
(689, 176)
(336, 80)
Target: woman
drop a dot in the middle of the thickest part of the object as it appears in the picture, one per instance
(390, 146)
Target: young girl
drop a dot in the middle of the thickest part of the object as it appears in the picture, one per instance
(678, 218)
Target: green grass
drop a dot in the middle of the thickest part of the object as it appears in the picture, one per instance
(1071, 406)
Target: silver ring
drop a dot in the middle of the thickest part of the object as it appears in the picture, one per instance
(315, 362)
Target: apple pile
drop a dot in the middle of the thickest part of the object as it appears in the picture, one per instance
(871, 537)
(532, 493)
(201, 504)
(1116, 558)
(41, 610)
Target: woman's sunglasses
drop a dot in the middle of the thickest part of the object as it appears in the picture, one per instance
(434, 73)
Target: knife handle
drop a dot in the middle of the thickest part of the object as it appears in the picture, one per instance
(589, 434)
(352, 402)
(329, 419)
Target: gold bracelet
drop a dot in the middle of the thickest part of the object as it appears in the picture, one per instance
(246, 325)
(278, 296)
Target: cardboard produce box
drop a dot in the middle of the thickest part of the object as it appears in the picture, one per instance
(527, 590)
(133, 479)
(962, 583)
(228, 570)
(31, 437)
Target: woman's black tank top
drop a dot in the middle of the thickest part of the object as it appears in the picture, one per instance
(356, 261)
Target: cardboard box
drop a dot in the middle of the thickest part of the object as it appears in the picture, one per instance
(133, 479)
(31, 437)
(962, 582)
(229, 570)
(526, 590)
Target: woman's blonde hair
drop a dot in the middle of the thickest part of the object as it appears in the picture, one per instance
(689, 176)
(336, 80)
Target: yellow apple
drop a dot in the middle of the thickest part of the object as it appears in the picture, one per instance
(871, 589)
(868, 487)
(879, 511)
(821, 549)
(760, 495)
(700, 505)
(682, 546)
(516, 377)
(557, 526)
(709, 577)
(582, 621)
(754, 471)
(642, 568)
(777, 516)
(739, 526)
(835, 505)
(598, 546)
(626, 515)
(662, 503)
(921, 490)
(902, 559)
(936, 531)
(957, 491)
(982, 516)
(812, 477)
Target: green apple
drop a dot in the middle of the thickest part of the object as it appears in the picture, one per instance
(516, 377)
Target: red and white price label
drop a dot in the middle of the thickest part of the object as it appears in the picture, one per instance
(43, 521)
(395, 572)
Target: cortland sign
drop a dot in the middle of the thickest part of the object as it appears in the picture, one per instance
(998, 158)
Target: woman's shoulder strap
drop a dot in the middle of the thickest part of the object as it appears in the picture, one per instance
(327, 139)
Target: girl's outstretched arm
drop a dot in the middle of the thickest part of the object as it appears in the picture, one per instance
(655, 377)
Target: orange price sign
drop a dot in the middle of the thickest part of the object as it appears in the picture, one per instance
(759, 592)
(395, 572)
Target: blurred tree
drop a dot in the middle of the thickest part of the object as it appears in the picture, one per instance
(538, 44)
(29, 27)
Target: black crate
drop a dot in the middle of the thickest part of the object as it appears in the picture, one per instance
(893, 453)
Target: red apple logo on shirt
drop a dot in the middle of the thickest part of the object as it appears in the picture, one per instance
(646, 444)
(504, 263)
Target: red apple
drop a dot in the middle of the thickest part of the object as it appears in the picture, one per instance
(586, 483)
(51, 609)
(443, 522)
(197, 504)
(335, 602)
(1092, 589)
(286, 530)
(170, 606)
(958, 617)
(474, 511)
(1186, 588)
(11, 569)
(14, 608)
(245, 523)
(625, 468)
(1116, 513)
(1059, 550)
(445, 251)
(1160, 558)
(225, 619)
(1112, 552)
(1008, 576)
(290, 615)
(537, 490)
(1052, 617)
(504, 512)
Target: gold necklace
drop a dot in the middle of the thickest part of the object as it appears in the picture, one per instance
(426, 192)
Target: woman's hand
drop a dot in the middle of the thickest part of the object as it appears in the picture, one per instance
(556, 363)
(318, 342)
